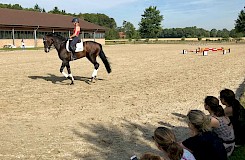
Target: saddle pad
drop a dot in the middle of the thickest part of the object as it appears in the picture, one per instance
(79, 47)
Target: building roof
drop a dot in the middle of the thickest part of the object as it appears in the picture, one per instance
(30, 19)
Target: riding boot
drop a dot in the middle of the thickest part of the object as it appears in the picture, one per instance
(73, 54)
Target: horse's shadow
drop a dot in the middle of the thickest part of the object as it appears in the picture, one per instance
(54, 79)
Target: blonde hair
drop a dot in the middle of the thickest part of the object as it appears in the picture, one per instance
(166, 140)
(199, 120)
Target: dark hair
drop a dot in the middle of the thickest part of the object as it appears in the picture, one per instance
(166, 140)
(229, 97)
(214, 106)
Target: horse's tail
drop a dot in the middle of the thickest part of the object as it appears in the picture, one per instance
(104, 60)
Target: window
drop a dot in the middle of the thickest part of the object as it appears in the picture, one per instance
(88, 35)
(5, 34)
(99, 35)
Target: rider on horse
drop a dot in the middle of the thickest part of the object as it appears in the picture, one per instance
(75, 36)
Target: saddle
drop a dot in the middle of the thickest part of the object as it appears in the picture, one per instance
(79, 46)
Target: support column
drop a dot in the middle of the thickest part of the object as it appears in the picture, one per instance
(35, 38)
(94, 34)
(82, 35)
(13, 36)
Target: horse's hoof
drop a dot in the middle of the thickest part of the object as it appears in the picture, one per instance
(93, 79)
(72, 83)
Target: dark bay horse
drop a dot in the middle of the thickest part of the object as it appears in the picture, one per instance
(91, 50)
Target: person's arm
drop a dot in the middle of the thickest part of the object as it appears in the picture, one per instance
(75, 33)
(214, 123)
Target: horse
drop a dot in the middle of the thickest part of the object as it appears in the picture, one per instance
(91, 50)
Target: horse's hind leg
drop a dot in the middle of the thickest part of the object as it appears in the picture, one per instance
(92, 59)
(94, 74)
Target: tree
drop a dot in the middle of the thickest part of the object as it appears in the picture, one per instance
(225, 33)
(213, 32)
(129, 30)
(150, 25)
(111, 34)
(102, 20)
(240, 22)
(63, 12)
(55, 10)
(17, 6)
(37, 8)
(190, 32)
(235, 34)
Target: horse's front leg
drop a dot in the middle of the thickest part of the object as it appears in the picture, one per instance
(68, 76)
(69, 73)
(62, 69)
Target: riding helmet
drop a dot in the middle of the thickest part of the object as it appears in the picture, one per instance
(75, 20)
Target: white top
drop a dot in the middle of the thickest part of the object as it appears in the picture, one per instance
(187, 155)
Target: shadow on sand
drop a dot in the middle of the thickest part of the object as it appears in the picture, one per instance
(114, 141)
(123, 140)
(181, 132)
(240, 90)
(54, 79)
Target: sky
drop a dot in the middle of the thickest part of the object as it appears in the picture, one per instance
(207, 14)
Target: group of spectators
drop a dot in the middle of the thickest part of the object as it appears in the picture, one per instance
(212, 137)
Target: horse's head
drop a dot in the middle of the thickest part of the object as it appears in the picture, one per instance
(53, 39)
(48, 42)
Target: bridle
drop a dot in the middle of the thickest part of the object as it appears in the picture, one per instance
(46, 46)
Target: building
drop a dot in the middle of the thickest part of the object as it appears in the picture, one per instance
(31, 26)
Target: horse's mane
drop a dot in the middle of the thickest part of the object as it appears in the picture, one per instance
(57, 36)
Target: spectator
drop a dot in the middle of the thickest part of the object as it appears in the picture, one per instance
(150, 156)
(22, 44)
(236, 112)
(220, 123)
(204, 144)
(166, 142)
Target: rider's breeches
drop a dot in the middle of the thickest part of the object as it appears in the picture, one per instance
(74, 41)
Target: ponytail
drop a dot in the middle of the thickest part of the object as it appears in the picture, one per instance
(199, 120)
(214, 106)
(166, 141)
(175, 151)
